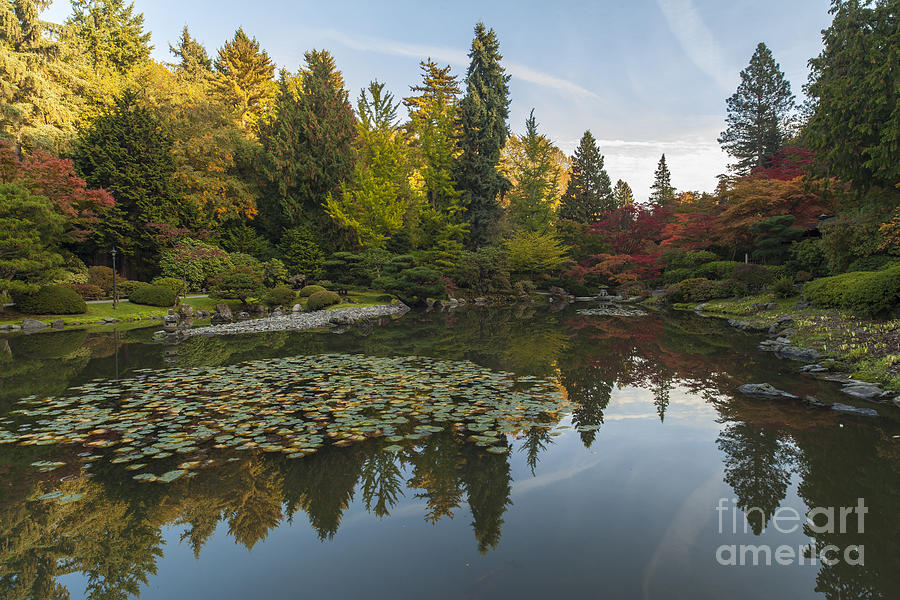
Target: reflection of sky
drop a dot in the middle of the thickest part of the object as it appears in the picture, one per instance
(645, 76)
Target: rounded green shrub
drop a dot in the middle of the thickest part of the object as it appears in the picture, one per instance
(153, 295)
(720, 269)
(87, 291)
(309, 290)
(281, 295)
(125, 287)
(323, 299)
(101, 277)
(178, 286)
(783, 287)
(50, 300)
(873, 263)
(238, 285)
(867, 292)
(698, 290)
(750, 279)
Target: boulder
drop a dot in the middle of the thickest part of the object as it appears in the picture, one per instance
(109, 320)
(297, 308)
(33, 325)
(220, 319)
(277, 313)
(225, 311)
(764, 391)
(481, 301)
(813, 403)
(243, 316)
(5, 327)
(58, 324)
(798, 353)
(186, 311)
(863, 391)
(864, 412)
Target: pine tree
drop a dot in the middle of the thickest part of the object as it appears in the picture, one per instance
(662, 192)
(483, 114)
(308, 145)
(193, 59)
(759, 113)
(434, 129)
(532, 164)
(622, 194)
(853, 85)
(244, 80)
(110, 33)
(588, 194)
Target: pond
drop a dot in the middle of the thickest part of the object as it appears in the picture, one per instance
(479, 453)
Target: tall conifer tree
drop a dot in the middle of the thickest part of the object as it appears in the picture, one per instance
(662, 192)
(484, 111)
(110, 33)
(588, 194)
(622, 194)
(193, 59)
(244, 79)
(759, 113)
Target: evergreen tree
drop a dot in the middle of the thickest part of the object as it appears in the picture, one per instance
(759, 113)
(662, 192)
(308, 146)
(483, 114)
(126, 152)
(193, 59)
(378, 197)
(244, 80)
(855, 88)
(29, 231)
(434, 121)
(110, 33)
(531, 163)
(622, 194)
(588, 194)
(39, 85)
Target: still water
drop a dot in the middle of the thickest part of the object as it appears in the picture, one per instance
(638, 473)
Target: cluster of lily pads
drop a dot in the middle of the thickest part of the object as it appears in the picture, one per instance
(292, 406)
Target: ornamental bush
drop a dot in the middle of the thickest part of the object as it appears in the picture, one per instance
(322, 299)
(194, 262)
(101, 277)
(238, 285)
(698, 289)
(87, 291)
(874, 263)
(179, 286)
(720, 269)
(866, 292)
(153, 295)
(413, 285)
(125, 287)
(281, 295)
(751, 279)
(309, 290)
(50, 300)
(783, 287)
(300, 251)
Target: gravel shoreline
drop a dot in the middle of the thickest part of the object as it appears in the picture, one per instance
(301, 321)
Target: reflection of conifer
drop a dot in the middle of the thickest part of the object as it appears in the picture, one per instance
(381, 483)
(536, 441)
(487, 481)
(436, 470)
(590, 392)
(256, 506)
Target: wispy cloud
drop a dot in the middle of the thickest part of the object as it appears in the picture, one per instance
(457, 58)
(697, 41)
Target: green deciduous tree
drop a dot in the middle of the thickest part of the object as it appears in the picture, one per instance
(534, 167)
(855, 87)
(535, 253)
(759, 113)
(588, 194)
(382, 190)
(110, 34)
(29, 232)
(662, 192)
(308, 147)
(244, 80)
(483, 114)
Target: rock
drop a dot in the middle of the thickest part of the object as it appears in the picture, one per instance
(481, 301)
(453, 302)
(765, 391)
(33, 325)
(257, 309)
(225, 311)
(863, 391)
(813, 403)
(15, 327)
(813, 368)
(220, 319)
(771, 306)
(584, 298)
(186, 311)
(277, 313)
(58, 324)
(109, 320)
(202, 314)
(297, 308)
(864, 412)
(801, 305)
(798, 353)
(429, 302)
(243, 316)
(5, 327)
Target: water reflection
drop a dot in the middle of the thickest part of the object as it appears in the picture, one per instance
(113, 534)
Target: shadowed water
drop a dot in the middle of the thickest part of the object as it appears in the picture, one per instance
(615, 497)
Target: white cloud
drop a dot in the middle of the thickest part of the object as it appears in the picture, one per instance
(697, 41)
(456, 57)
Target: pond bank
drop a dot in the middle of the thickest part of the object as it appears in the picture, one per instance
(862, 354)
(301, 321)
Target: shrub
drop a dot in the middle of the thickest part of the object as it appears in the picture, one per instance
(126, 286)
(751, 279)
(153, 295)
(194, 262)
(675, 275)
(698, 290)
(873, 263)
(867, 292)
(238, 285)
(485, 271)
(525, 287)
(87, 291)
(179, 286)
(720, 269)
(309, 290)
(783, 287)
(347, 268)
(536, 254)
(802, 276)
(322, 299)
(50, 300)
(246, 262)
(102, 277)
(300, 251)
(274, 272)
(281, 295)
(676, 259)
(413, 285)
(807, 255)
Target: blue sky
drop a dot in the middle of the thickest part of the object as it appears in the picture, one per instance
(645, 76)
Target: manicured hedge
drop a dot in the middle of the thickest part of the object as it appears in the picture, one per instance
(87, 290)
(153, 295)
(179, 286)
(310, 290)
(281, 295)
(698, 290)
(50, 300)
(322, 299)
(867, 292)
(720, 269)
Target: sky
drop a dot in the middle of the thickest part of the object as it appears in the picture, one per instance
(647, 77)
